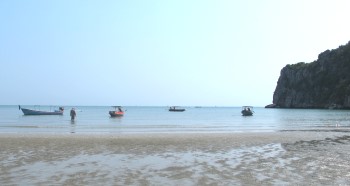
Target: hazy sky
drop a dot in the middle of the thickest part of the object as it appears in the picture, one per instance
(159, 52)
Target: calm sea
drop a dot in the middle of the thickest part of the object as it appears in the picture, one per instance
(95, 119)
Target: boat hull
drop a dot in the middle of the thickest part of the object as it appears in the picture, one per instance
(38, 112)
(116, 114)
(176, 110)
(247, 113)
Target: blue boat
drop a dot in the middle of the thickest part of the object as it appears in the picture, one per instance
(39, 112)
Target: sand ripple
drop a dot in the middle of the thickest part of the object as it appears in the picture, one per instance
(291, 158)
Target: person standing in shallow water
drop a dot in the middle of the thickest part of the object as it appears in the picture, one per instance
(72, 114)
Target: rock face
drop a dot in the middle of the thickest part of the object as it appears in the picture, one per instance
(324, 83)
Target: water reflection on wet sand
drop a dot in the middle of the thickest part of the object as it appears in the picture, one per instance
(218, 159)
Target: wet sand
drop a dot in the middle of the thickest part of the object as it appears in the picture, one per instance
(276, 158)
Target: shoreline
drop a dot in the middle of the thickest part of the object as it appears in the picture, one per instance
(180, 140)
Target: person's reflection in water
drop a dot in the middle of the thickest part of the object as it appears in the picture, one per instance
(72, 126)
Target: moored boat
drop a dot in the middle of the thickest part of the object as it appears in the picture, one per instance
(39, 112)
(117, 112)
(174, 109)
(247, 111)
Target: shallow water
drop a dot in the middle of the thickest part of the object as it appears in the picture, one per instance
(159, 120)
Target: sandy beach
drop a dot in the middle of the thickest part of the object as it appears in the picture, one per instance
(293, 157)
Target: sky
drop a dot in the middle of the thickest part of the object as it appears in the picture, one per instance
(159, 53)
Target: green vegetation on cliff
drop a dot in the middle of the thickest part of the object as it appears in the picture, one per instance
(298, 66)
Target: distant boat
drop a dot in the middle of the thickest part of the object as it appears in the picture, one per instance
(117, 112)
(174, 109)
(39, 112)
(247, 111)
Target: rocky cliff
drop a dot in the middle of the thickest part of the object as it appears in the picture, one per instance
(324, 83)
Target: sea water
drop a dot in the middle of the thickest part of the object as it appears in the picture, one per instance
(322, 159)
(140, 119)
